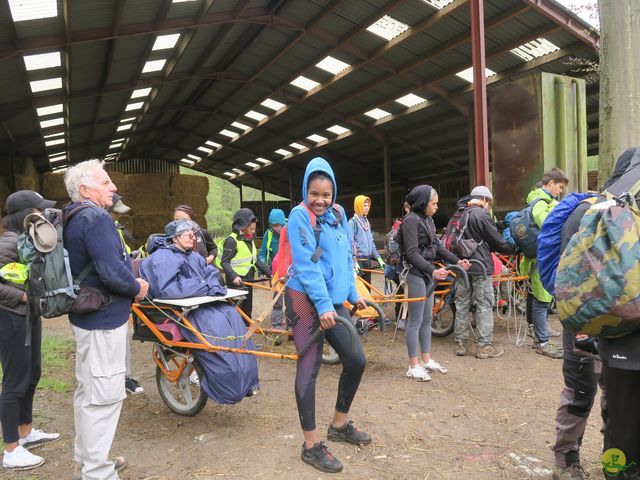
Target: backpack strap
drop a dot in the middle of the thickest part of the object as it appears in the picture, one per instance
(65, 219)
(317, 228)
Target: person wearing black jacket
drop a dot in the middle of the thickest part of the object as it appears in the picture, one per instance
(420, 247)
(481, 228)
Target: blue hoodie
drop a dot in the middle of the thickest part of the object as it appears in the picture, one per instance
(330, 281)
(269, 249)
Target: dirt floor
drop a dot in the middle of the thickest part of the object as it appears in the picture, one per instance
(484, 419)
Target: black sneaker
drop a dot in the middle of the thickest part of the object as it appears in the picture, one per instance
(132, 386)
(320, 457)
(348, 433)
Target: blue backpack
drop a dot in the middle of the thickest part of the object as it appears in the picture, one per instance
(550, 238)
(525, 230)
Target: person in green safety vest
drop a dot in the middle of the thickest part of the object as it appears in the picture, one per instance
(118, 209)
(239, 259)
(268, 250)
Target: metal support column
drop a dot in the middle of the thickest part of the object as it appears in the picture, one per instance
(264, 221)
(240, 187)
(291, 201)
(387, 185)
(481, 129)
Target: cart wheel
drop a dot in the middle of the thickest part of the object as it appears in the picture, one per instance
(329, 355)
(184, 397)
(444, 321)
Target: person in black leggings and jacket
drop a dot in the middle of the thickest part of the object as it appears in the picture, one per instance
(321, 279)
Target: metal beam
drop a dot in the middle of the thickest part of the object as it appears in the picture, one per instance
(480, 122)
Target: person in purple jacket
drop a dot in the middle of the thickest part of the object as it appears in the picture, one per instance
(91, 238)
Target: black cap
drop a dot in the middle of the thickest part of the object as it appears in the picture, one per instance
(23, 199)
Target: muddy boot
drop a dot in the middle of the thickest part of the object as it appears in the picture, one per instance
(572, 472)
(461, 349)
(489, 351)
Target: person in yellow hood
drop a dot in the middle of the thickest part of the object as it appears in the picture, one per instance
(364, 250)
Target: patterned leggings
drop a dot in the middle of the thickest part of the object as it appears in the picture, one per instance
(304, 319)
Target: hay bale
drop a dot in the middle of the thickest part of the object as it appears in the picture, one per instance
(159, 182)
(144, 225)
(25, 182)
(202, 221)
(189, 185)
(119, 179)
(4, 193)
(53, 186)
(147, 202)
(199, 203)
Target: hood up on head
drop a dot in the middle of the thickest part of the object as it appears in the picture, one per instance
(276, 217)
(625, 173)
(242, 219)
(318, 164)
(358, 204)
(418, 198)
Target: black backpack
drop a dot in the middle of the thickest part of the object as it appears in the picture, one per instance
(453, 238)
(525, 230)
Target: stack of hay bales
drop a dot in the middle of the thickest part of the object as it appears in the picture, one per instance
(190, 190)
(4, 193)
(148, 196)
(53, 188)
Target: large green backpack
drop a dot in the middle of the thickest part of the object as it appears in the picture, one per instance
(598, 279)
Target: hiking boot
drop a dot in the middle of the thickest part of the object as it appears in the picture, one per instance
(530, 331)
(433, 366)
(348, 433)
(417, 373)
(320, 457)
(132, 386)
(21, 459)
(461, 349)
(119, 464)
(489, 351)
(37, 438)
(549, 350)
(572, 472)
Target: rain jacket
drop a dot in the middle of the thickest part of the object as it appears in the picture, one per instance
(360, 231)
(271, 239)
(528, 266)
(173, 273)
(330, 280)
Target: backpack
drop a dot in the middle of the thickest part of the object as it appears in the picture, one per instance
(392, 246)
(598, 279)
(453, 238)
(550, 238)
(525, 230)
(51, 282)
(282, 261)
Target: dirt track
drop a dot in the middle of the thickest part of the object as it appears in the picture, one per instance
(484, 419)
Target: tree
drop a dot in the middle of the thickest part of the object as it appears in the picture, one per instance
(619, 80)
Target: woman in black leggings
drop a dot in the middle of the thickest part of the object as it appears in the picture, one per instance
(321, 279)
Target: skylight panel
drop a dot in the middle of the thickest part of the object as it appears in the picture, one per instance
(205, 150)
(305, 83)
(439, 4)
(51, 123)
(283, 152)
(316, 138)
(133, 106)
(228, 174)
(115, 145)
(228, 133)
(240, 126)
(140, 92)
(377, 113)
(61, 168)
(128, 119)
(187, 163)
(257, 116)
(194, 158)
(57, 158)
(272, 104)
(42, 111)
(154, 65)
(212, 144)
(166, 41)
(297, 146)
(237, 170)
(48, 84)
(42, 60)
(183, 1)
(56, 141)
(264, 161)
(535, 49)
(467, 74)
(338, 130)
(388, 28)
(252, 165)
(411, 100)
(22, 10)
(54, 135)
(122, 128)
(332, 65)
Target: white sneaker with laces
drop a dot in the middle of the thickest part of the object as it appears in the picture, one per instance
(21, 459)
(418, 373)
(37, 438)
(193, 379)
(433, 366)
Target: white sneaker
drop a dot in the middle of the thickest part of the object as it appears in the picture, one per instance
(21, 459)
(418, 373)
(193, 379)
(37, 438)
(433, 366)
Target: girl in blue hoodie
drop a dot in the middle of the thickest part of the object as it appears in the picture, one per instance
(321, 279)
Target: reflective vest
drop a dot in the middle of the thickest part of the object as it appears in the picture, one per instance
(268, 240)
(126, 247)
(244, 258)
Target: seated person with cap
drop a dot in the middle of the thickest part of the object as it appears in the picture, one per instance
(175, 271)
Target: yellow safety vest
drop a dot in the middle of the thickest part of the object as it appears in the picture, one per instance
(244, 258)
(126, 247)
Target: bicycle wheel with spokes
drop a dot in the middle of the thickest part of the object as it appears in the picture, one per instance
(444, 320)
(184, 396)
(329, 355)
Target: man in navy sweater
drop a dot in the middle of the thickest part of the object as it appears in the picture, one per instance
(91, 238)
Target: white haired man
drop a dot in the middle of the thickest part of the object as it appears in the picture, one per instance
(95, 249)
